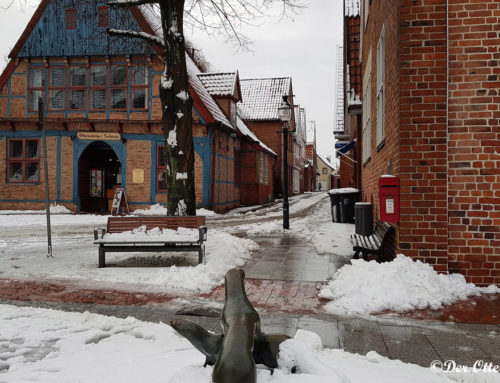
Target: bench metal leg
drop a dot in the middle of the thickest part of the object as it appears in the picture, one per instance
(201, 254)
(356, 255)
(102, 257)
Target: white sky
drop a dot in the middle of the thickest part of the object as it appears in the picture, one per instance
(303, 47)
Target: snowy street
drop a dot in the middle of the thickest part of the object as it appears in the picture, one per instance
(301, 279)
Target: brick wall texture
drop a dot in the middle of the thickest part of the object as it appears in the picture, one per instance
(442, 130)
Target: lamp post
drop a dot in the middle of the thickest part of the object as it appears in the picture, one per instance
(285, 114)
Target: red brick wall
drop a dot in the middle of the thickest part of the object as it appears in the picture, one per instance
(382, 13)
(474, 140)
(423, 158)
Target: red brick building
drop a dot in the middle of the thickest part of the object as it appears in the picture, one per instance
(259, 110)
(103, 115)
(348, 144)
(430, 85)
(310, 172)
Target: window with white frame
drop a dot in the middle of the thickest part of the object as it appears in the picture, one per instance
(381, 88)
(367, 124)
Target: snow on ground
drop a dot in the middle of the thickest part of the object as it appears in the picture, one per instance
(53, 346)
(23, 250)
(401, 285)
(75, 261)
(326, 236)
(54, 209)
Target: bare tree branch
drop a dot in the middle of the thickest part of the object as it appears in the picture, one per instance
(129, 3)
(142, 35)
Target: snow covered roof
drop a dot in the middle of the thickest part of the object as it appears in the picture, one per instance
(220, 84)
(351, 8)
(327, 163)
(262, 96)
(247, 132)
(203, 93)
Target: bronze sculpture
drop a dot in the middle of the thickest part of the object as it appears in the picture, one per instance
(235, 353)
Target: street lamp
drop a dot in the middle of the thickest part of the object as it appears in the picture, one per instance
(285, 114)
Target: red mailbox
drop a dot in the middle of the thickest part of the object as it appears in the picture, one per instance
(388, 191)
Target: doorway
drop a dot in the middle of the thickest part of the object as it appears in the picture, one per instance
(99, 173)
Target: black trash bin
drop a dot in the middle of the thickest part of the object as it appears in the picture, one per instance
(344, 199)
(334, 205)
(363, 218)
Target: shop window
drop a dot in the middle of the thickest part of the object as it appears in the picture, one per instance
(76, 87)
(71, 18)
(57, 88)
(118, 87)
(139, 87)
(161, 182)
(103, 17)
(23, 164)
(98, 80)
(36, 88)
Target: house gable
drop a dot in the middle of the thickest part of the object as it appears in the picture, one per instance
(65, 28)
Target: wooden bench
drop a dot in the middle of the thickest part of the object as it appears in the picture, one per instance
(122, 224)
(375, 244)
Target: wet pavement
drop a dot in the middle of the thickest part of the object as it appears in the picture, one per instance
(289, 258)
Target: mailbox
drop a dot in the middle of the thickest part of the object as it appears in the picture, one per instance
(388, 187)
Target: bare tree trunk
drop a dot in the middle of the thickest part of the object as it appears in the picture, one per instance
(176, 117)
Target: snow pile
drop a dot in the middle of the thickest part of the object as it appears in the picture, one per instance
(54, 209)
(401, 285)
(159, 209)
(53, 346)
(59, 209)
(141, 234)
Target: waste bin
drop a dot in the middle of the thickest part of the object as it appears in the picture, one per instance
(363, 218)
(342, 202)
(334, 205)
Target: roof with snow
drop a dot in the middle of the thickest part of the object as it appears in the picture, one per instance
(203, 93)
(351, 8)
(245, 130)
(262, 96)
(222, 84)
(327, 163)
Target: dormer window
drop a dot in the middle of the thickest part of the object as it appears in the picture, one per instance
(71, 18)
(103, 17)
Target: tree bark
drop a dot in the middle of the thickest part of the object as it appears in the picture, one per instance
(177, 113)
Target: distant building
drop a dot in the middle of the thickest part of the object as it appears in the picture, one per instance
(259, 110)
(325, 170)
(348, 145)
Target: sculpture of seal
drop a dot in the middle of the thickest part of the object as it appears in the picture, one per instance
(267, 348)
(207, 343)
(241, 323)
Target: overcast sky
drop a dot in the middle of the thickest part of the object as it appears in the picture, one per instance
(303, 47)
